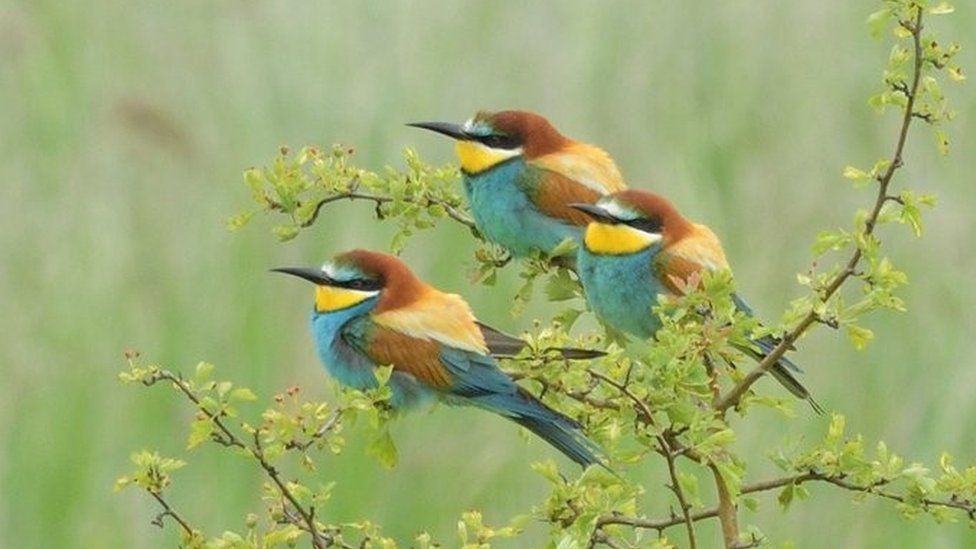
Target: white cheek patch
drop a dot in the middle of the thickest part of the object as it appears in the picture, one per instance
(616, 210)
(652, 238)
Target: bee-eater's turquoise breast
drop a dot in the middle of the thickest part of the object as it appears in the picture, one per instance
(621, 289)
(505, 214)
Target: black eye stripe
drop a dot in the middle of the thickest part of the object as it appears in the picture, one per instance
(648, 225)
(362, 284)
(500, 141)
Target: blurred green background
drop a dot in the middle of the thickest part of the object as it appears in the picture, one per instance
(124, 129)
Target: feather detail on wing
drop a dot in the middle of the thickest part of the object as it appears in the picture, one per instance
(420, 358)
(699, 250)
(577, 173)
(552, 193)
(436, 316)
(585, 164)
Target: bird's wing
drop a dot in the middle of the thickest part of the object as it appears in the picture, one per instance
(454, 371)
(438, 316)
(421, 358)
(698, 251)
(470, 377)
(411, 338)
(585, 164)
(580, 174)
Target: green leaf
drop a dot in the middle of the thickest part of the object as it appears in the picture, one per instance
(786, 496)
(941, 141)
(383, 374)
(850, 172)
(830, 240)
(689, 486)
(237, 221)
(203, 371)
(750, 503)
(383, 449)
(223, 388)
(942, 8)
(565, 247)
(910, 213)
(835, 432)
(285, 233)
(200, 431)
(286, 535)
(242, 393)
(561, 286)
(860, 337)
(877, 22)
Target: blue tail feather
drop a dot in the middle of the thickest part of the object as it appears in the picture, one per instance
(561, 432)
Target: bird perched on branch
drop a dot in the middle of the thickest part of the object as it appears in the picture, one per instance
(371, 310)
(520, 175)
(639, 246)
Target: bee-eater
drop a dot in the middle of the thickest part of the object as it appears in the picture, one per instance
(520, 175)
(639, 246)
(371, 310)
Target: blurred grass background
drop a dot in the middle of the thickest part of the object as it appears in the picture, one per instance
(124, 128)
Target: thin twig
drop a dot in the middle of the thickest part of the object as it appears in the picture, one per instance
(327, 426)
(954, 502)
(679, 494)
(168, 511)
(667, 447)
(735, 394)
(378, 200)
(642, 408)
(228, 438)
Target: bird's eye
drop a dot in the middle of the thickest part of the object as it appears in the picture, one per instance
(499, 141)
(362, 284)
(648, 225)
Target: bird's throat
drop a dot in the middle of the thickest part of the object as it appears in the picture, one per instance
(329, 298)
(606, 239)
(476, 158)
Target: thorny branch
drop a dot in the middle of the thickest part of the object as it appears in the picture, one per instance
(168, 511)
(379, 200)
(668, 447)
(735, 394)
(679, 493)
(967, 506)
(227, 437)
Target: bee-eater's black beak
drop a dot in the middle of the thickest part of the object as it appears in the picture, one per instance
(596, 212)
(444, 128)
(309, 274)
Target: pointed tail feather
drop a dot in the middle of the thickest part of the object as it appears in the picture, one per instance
(783, 371)
(784, 368)
(561, 432)
(501, 344)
